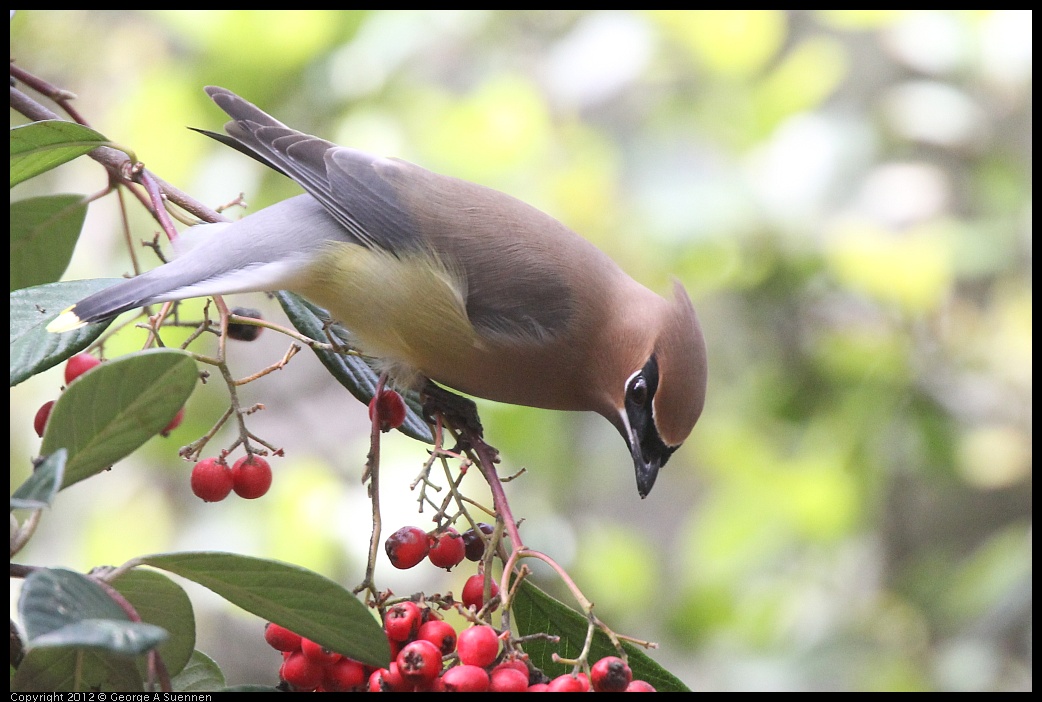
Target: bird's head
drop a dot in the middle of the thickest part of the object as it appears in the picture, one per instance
(664, 397)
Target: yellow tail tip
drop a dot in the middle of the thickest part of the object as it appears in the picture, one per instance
(66, 321)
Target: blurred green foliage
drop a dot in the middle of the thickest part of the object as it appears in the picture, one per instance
(847, 196)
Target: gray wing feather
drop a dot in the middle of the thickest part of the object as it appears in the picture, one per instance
(345, 181)
(370, 197)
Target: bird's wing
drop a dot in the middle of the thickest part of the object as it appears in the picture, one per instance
(345, 181)
(397, 207)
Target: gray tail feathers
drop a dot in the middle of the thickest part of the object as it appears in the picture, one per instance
(126, 295)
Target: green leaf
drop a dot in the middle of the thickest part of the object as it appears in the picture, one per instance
(350, 371)
(41, 146)
(40, 488)
(112, 409)
(201, 674)
(160, 601)
(62, 608)
(55, 597)
(125, 638)
(300, 600)
(76, 670)
(33, 348)
(535, 611)
(44, 231)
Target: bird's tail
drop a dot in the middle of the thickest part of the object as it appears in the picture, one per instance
(121, 297)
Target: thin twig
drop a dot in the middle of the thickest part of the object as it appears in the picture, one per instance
(115, 162)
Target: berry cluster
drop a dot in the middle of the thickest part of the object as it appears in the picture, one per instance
(75, 367)
(427, 655)
(213, 480)
(308, 666)
(446, 548)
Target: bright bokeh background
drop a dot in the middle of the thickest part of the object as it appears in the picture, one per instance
(847, 197)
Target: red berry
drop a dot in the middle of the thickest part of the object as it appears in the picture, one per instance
(440, 633)
(78, 365)
(280, 638)
(508, 680)
(610, 674)
(511, 661)
(174, 423)
(435, 685)
(387, 680)
(447, 549)
(407, 547)
(346, 675)
(388, 408)
(478, 645)
(42, 415)
(301, 672)
(465, 678)
(640, 686)
(419, 662)
(474, 592)
(567, 683)
(317, 653)
(538, 687)
(251, 477)
(402, 621)
(473, 543)
(211, 480)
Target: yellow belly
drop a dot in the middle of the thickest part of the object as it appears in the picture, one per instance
(405, 310)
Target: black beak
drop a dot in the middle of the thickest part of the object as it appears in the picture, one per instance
(648, 450)
(645, 466)
(636, 423)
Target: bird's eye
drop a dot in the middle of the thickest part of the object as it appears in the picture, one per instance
(637, 392)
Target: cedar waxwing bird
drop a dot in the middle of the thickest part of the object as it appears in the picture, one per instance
(444, 280)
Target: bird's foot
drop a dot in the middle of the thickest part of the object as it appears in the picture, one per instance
(458, 411)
